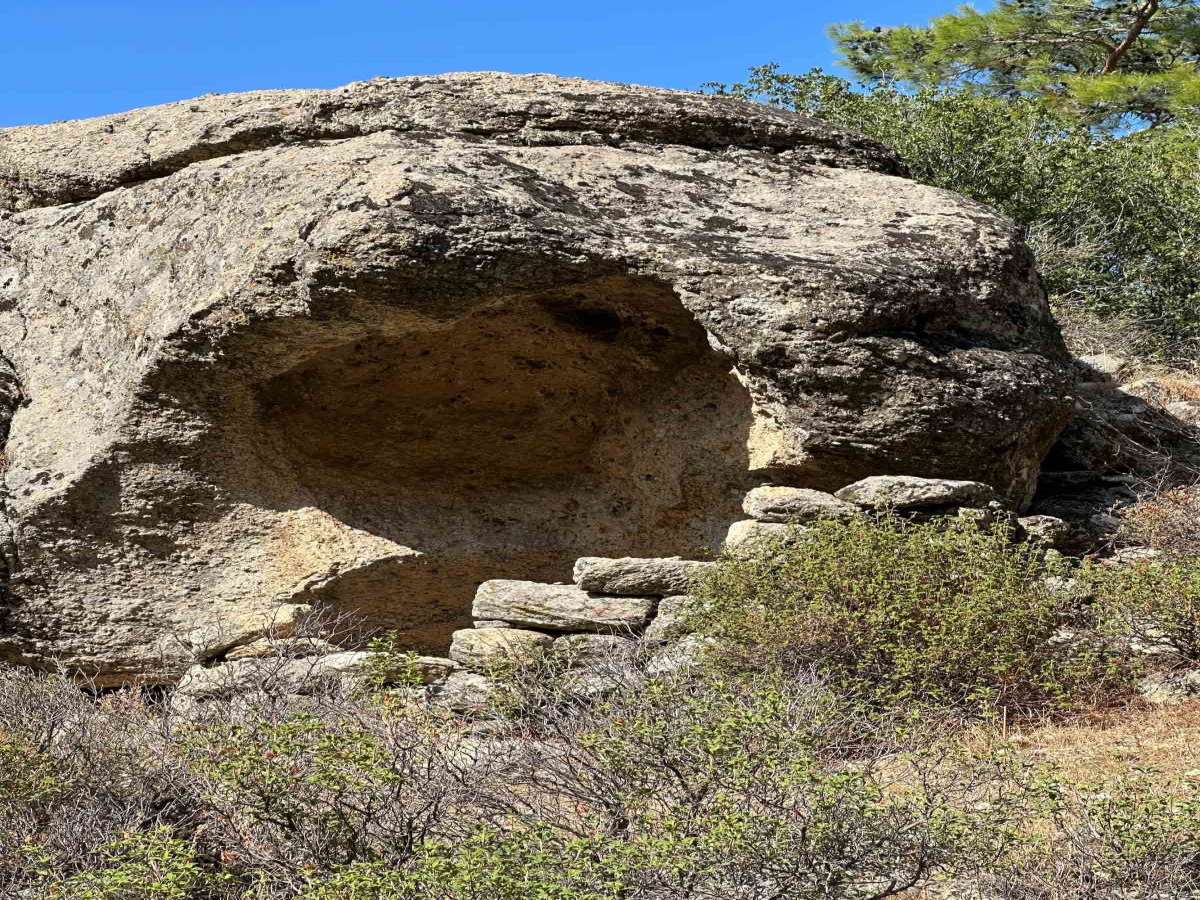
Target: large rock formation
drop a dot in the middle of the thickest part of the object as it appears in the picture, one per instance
(370, 347)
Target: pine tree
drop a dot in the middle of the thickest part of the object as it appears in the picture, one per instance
(1114, 63)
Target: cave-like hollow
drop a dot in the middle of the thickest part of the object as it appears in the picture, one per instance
(508, 441)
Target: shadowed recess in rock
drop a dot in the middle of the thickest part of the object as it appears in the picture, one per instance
(536, 429)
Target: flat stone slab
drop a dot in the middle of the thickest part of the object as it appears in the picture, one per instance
(559, 607)
(294, 647)
(633, 577)
(907, 492)
(482, 648)
(771, 503)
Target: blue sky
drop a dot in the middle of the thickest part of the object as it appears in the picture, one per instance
(71, 58)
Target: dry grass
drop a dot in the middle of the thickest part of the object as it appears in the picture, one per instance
(1165, 386)
(1112, 743)
(1180, 387)
(1168, 520)
(1140, 342)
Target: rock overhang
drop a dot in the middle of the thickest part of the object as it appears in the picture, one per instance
(200, 342)
(70, 161)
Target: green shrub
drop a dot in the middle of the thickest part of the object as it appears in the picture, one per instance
(1155, 603)
(726, 787)
(779, 787)
(310, 794)
(29, 777)
(77, 773)
(1129, 837)
(490, 865)
(149, 865)
(907, 613)
(390, 665)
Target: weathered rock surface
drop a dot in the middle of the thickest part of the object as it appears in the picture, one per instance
(1120, 436)
(581, 650)
(671, 619)
(558, 607)
(297, 648)
(748, 534)
(280, 675)
(1170, 689)
(772, 503)
(245, 627)
(1104, 368)
(369, 347)
(903, 493)
(482, 648)
(638, 577)
(468, 693)
(686, 654)
(1047, 531)
(1117, 431)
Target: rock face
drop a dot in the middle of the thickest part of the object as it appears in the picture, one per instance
(367, 348)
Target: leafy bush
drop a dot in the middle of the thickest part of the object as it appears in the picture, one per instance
(149, 865)
(1129, 837)
(77, 775)
(711, 789)
(294, 793)
(688, 787)
(905, 613)
(1155, 603)
(490, 865)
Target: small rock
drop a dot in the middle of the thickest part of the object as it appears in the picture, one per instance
(359, 664)
(1170, 689)
(679, 657)
(1065, 637)
(1106, 367)
(432, 669)
(283, 621)
(1186, 411)
(906, 492)
(1046, 531)
(749, 534)
(465, 692)
(481, 648)
(671, 619)
(581, 650)
(215, 682)
(797, 506)
(1129, 555)
(1061, 586)
(590, 684)
(559, 607)
(981, 517)
(633, 577)
(492, 623)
